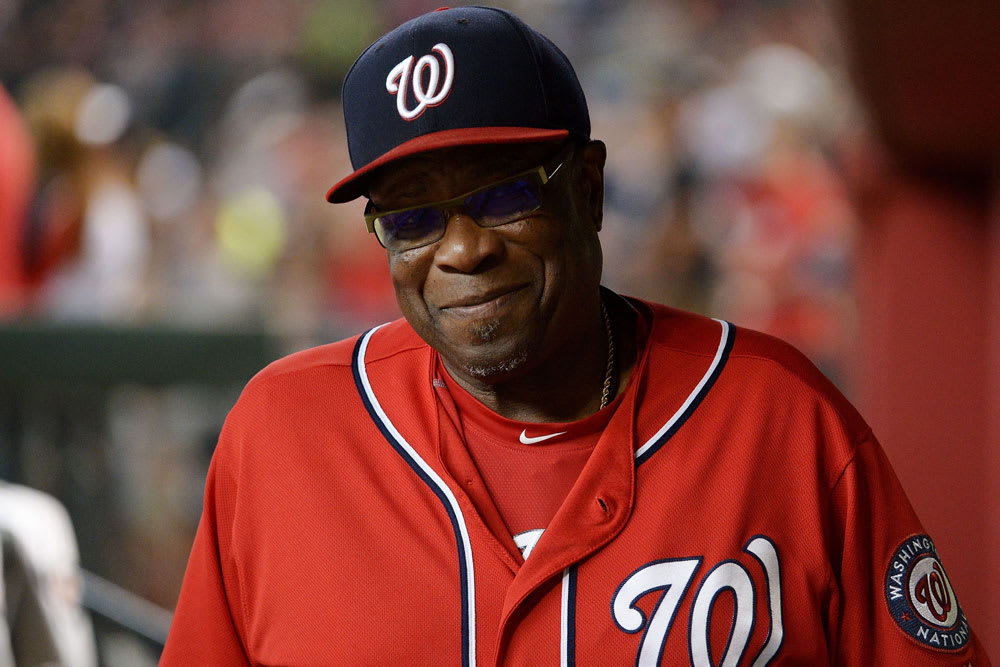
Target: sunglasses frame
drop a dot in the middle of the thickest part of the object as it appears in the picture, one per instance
(538, 172)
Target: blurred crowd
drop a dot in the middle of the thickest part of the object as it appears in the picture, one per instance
(183, 150)
(168, 160)
(184, 147)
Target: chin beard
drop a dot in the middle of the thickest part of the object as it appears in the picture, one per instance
(488, 333)
(490, 371)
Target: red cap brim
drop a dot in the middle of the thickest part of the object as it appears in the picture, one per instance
(355, 185)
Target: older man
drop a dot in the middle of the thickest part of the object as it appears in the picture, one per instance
(530, 469)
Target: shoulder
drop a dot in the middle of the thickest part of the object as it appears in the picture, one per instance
(314, 393)
(755, 368)
(698, 334)
(333, 361)
(315, 378)
(761, 359)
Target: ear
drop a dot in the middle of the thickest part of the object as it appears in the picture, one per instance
(592, 157)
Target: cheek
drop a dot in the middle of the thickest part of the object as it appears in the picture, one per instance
(573, 263)
(408, 272)
(555, 243)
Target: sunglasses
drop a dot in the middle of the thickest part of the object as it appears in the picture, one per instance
(500, 203)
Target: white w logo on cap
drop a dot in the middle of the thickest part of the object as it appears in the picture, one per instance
(401, 75)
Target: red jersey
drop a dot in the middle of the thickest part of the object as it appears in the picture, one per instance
(736, 511)
(525, 478)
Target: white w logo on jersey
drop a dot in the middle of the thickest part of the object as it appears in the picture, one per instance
(671, 578)
(401, 76)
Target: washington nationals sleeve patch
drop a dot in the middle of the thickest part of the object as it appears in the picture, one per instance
(921, 599)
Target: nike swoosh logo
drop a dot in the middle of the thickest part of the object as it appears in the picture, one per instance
(531, 441)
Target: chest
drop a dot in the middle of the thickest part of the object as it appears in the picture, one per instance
(360, 556)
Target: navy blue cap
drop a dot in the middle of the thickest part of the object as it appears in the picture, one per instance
(456, 77)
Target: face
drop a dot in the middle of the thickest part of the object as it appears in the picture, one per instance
(497, 302)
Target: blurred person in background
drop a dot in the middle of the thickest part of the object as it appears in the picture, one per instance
(41, 618)
(41, 201)
(379, 500)
(17, 183)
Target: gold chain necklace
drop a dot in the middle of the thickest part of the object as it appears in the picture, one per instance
(609, 374)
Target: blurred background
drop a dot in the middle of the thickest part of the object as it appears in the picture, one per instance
(824, 171)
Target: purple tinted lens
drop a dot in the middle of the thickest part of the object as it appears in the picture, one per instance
(503, 203)
(413, 225)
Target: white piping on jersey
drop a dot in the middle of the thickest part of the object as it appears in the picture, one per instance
(565, 631)
(723, 340)
(470, 586)
(564, 621)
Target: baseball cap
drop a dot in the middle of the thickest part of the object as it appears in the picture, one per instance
(456, 77)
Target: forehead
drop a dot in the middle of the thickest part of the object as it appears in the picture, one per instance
(462, 165)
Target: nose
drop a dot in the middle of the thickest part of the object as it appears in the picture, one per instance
(466, 247)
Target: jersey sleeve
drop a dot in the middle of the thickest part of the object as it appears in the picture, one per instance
(892, 602)
(207, 627)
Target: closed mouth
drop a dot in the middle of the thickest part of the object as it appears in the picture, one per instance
(482, 303)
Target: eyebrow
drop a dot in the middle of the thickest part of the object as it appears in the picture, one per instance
(503, 164)
(402, 184)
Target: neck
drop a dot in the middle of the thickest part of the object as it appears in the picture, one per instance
(568, 384)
